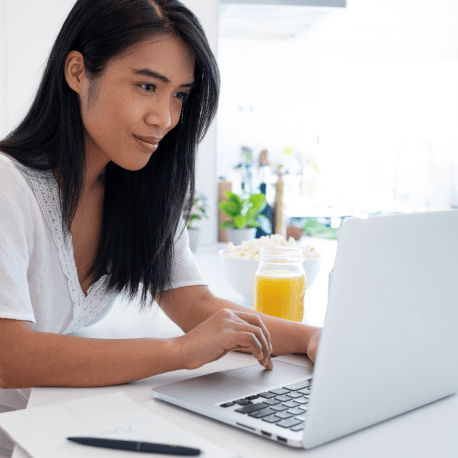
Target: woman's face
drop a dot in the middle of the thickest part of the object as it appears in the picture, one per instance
(136, 101)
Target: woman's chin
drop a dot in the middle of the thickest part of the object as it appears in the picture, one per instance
(134, 166)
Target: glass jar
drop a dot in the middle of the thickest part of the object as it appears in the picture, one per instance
(280, 283)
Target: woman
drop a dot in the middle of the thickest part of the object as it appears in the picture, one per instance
(93, 183)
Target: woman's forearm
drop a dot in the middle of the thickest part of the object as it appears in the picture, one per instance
(30, 359)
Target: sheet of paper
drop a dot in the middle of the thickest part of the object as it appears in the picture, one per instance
(42, 431)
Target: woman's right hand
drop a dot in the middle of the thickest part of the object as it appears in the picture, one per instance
(224, 331)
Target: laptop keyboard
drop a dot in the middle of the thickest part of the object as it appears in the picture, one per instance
(286, 406)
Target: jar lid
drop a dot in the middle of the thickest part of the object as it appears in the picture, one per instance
(281, 254)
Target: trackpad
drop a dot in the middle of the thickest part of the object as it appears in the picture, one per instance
(282, 374)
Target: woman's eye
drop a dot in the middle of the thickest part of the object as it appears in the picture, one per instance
(182, 95)
(148, 87)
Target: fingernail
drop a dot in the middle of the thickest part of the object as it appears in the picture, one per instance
(262, 356)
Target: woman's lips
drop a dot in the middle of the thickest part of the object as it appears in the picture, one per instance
(150, 143)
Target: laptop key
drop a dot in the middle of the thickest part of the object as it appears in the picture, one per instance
(301, 417)
(252, 408)
(279, 407)
(304, 391)
(294, 394)
(250, 398)
(284, 414)
(291, 403)
(267, 395)
(261, 413)
(303, 400)
(294, 410)
(271, 402)
(279, 391)
(271, 419)
(242, 402)
(282, 398)
(227, 404)
(298, 427)
(288, 422)
(298, 385)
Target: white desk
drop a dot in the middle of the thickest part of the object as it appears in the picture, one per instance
(427, 432)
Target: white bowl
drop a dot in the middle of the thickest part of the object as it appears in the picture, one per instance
(240, 272)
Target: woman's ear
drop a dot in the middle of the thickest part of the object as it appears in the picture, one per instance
(75, 74)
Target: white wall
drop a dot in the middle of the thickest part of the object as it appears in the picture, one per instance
(28, 29)
(3, 112)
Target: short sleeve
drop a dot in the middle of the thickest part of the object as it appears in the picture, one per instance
(185, 271)
(15, 241)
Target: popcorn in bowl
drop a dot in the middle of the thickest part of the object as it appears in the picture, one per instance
(240, 262)
(251, 249)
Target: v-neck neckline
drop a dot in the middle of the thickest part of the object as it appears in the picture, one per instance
(86, 306)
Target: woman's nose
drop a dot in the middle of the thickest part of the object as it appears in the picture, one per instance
(160, 114)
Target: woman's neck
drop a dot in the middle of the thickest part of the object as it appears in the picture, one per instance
(94, 176)
(96, 162)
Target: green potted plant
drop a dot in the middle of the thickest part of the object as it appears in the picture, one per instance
(198, 211)
(316, 229)
(245, 216)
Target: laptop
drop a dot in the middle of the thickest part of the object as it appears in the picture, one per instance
(392, 311)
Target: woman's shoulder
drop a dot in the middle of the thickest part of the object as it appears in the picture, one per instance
(9, 166)
(13, 178)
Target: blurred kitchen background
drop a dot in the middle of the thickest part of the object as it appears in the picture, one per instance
(356, 99)
(359, 104)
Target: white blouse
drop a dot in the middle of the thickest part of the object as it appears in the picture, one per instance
(38, 276)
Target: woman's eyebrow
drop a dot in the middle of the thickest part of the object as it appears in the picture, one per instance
(153, 74)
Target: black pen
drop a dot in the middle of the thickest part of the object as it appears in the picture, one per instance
(148, 447)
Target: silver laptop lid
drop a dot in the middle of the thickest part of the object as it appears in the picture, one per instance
(390, 338)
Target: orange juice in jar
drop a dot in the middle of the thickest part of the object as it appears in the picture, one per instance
(280, 283)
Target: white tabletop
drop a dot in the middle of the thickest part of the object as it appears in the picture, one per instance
(426, 432)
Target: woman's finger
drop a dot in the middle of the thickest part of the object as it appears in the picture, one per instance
(246, 327)
(249, 341)
(255, 320)
(257, 341)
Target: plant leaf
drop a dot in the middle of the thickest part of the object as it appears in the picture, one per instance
(229, 208)
(237, 202)
(316, 229)
(227, 225)
(232, 196)
(258, 202)
(240, 222)
(252, 222)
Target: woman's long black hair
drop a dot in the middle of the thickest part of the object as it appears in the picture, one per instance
(142, 209)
